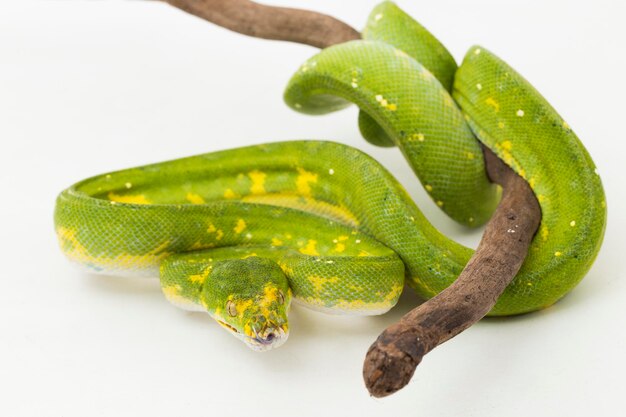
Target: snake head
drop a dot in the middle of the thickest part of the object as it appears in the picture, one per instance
(250, 298)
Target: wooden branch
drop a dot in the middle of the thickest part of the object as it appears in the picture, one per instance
(392, 359)
(278, 23)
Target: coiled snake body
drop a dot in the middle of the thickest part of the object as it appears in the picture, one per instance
(237, 233)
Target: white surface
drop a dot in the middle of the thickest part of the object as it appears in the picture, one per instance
(88, 87)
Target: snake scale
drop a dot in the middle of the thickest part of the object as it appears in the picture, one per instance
(240, 233)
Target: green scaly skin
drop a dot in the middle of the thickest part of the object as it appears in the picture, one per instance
(298, 204)
(237, 233)
(501, 109)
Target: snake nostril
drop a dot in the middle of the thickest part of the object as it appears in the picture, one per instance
(270, 337)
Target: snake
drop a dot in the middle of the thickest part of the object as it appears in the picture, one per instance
(242, 233)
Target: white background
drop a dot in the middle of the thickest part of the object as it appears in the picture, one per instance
(88, 87)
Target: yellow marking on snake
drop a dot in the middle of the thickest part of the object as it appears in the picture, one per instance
(77, 252)
(70, 243)
(242, 305)
(128, 199)
(202, 245)
(173, 295)
(240, 227)
(201, 278)
(270, 294)
(258, 182)
(310, 248)
(172, 292)
(304, 181)
(308, 204)
(229, 194)
(318, 282)
(286, 268)
(383, 305)
(417, 137)
(491, 102)
(194, 198)
(503, 149)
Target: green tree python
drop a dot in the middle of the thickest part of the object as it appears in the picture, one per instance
(239, 233)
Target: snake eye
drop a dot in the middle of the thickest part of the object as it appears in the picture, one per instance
(231, 308)
(281, 297)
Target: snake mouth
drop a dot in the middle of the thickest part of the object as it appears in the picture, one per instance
(269, 338)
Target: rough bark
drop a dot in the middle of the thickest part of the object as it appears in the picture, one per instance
(267, 22)
(391, 360)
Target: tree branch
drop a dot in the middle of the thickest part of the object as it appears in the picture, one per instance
(392, 359)
(278, 23)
